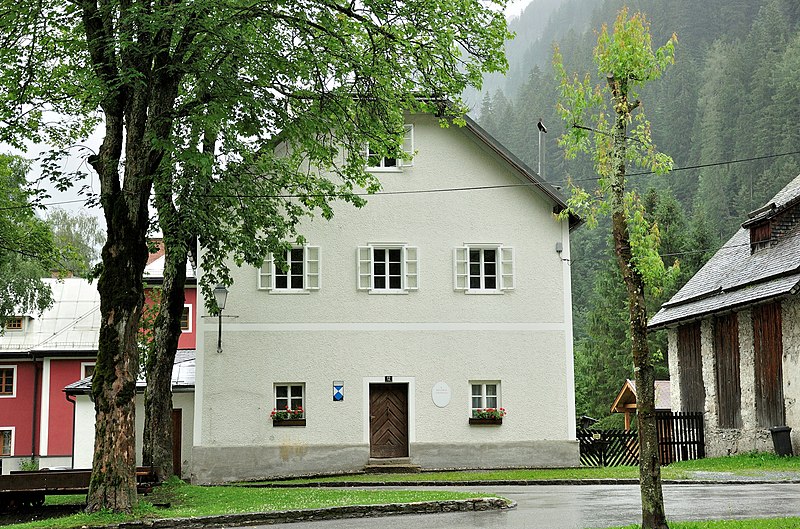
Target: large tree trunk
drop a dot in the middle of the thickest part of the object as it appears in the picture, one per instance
(113, 481)
(157, 445)
(653, 516)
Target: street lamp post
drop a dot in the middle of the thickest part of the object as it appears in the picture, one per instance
(220, 296)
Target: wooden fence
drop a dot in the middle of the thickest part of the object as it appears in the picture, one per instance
(680, 438)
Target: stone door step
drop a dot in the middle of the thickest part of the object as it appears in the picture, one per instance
(391, 465)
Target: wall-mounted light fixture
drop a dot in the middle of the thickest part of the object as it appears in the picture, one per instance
(220, 296)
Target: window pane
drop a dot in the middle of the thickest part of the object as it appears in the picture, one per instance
(490, 283)
(489, 268)
(394, 269)
(474, 256)
(281, 403)
(491, 402)
(476, 402)
(394, 282)
(491, 389)
(297, 281)
(281, 391)
(6, 442)
(474, 282)
(390, 162)
(297, 255)
(477, 389)
(380, 268)
(489, 255)
(297, 403)
(280, 280)
(297, 391)
(380, 254)
(380, 281)
(394, 255)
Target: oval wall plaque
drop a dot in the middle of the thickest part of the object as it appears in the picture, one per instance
(441, 394)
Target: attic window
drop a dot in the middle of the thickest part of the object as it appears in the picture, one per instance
(760, 236)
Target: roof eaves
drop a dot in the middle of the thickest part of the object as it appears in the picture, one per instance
(528, 173)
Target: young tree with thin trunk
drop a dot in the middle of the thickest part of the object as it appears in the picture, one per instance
(320, 78)
(611, 115)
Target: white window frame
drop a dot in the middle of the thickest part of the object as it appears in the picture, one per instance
(84, 365)
(408, 148)
(409, 268)
(188, 329)
(11, 429)
(13, 393)
(289, 398)
(311, 272)
(483, 395)
(505, 268)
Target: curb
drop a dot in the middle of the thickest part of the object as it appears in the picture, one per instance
(507, 482)
(327, 513)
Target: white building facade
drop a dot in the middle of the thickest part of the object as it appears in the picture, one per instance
(447, 294)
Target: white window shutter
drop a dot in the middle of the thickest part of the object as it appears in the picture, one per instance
(265, 274)
(408, 145)
(311, 255)
(411, 260)
(364, 267)
(506, 268)
(460, 268)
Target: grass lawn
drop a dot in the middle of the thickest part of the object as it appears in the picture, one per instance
(769, 523)
(191, 500)
(742, 465)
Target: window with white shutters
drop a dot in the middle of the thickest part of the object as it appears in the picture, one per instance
(388, 268)
(301, 274)
(483, 268)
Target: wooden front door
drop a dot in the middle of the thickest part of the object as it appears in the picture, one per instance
(177, 428)
(388, 423)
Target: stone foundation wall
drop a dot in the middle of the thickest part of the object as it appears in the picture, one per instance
(236, 463)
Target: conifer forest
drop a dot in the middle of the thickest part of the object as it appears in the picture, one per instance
(727, 112)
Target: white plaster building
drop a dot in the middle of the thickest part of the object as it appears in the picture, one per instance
(416, 309)
(734, 333)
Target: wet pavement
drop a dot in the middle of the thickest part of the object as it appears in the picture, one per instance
(592, 506)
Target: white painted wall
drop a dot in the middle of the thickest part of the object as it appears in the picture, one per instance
(84, 429)
(522, 338)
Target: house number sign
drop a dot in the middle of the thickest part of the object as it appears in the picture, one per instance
(441, 394)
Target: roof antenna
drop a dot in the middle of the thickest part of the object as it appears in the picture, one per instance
(542, 130)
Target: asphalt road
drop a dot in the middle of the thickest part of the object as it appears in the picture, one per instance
(592, 506)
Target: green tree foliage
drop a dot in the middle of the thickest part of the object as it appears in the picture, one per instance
(620, 137)
(78, 238)
(26, 245)
(250, 116)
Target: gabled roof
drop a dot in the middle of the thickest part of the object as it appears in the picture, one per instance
(183, 376)
(626, 398)
(154, 271)
(522, 169)
(71, 325)
(735, 277)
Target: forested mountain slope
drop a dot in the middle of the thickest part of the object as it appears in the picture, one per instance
(733, 95)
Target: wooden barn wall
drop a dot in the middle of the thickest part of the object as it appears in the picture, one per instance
(692, 390)
(726, 351)
(768, 353)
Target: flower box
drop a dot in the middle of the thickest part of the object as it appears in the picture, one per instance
(289, 422)
(474, 420)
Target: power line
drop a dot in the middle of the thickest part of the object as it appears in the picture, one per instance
(438, 190)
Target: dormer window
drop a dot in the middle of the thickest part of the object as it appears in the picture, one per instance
(14, 323)
(760, 236)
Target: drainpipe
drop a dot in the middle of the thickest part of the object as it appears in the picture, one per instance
(35, 403)
(74, 411)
